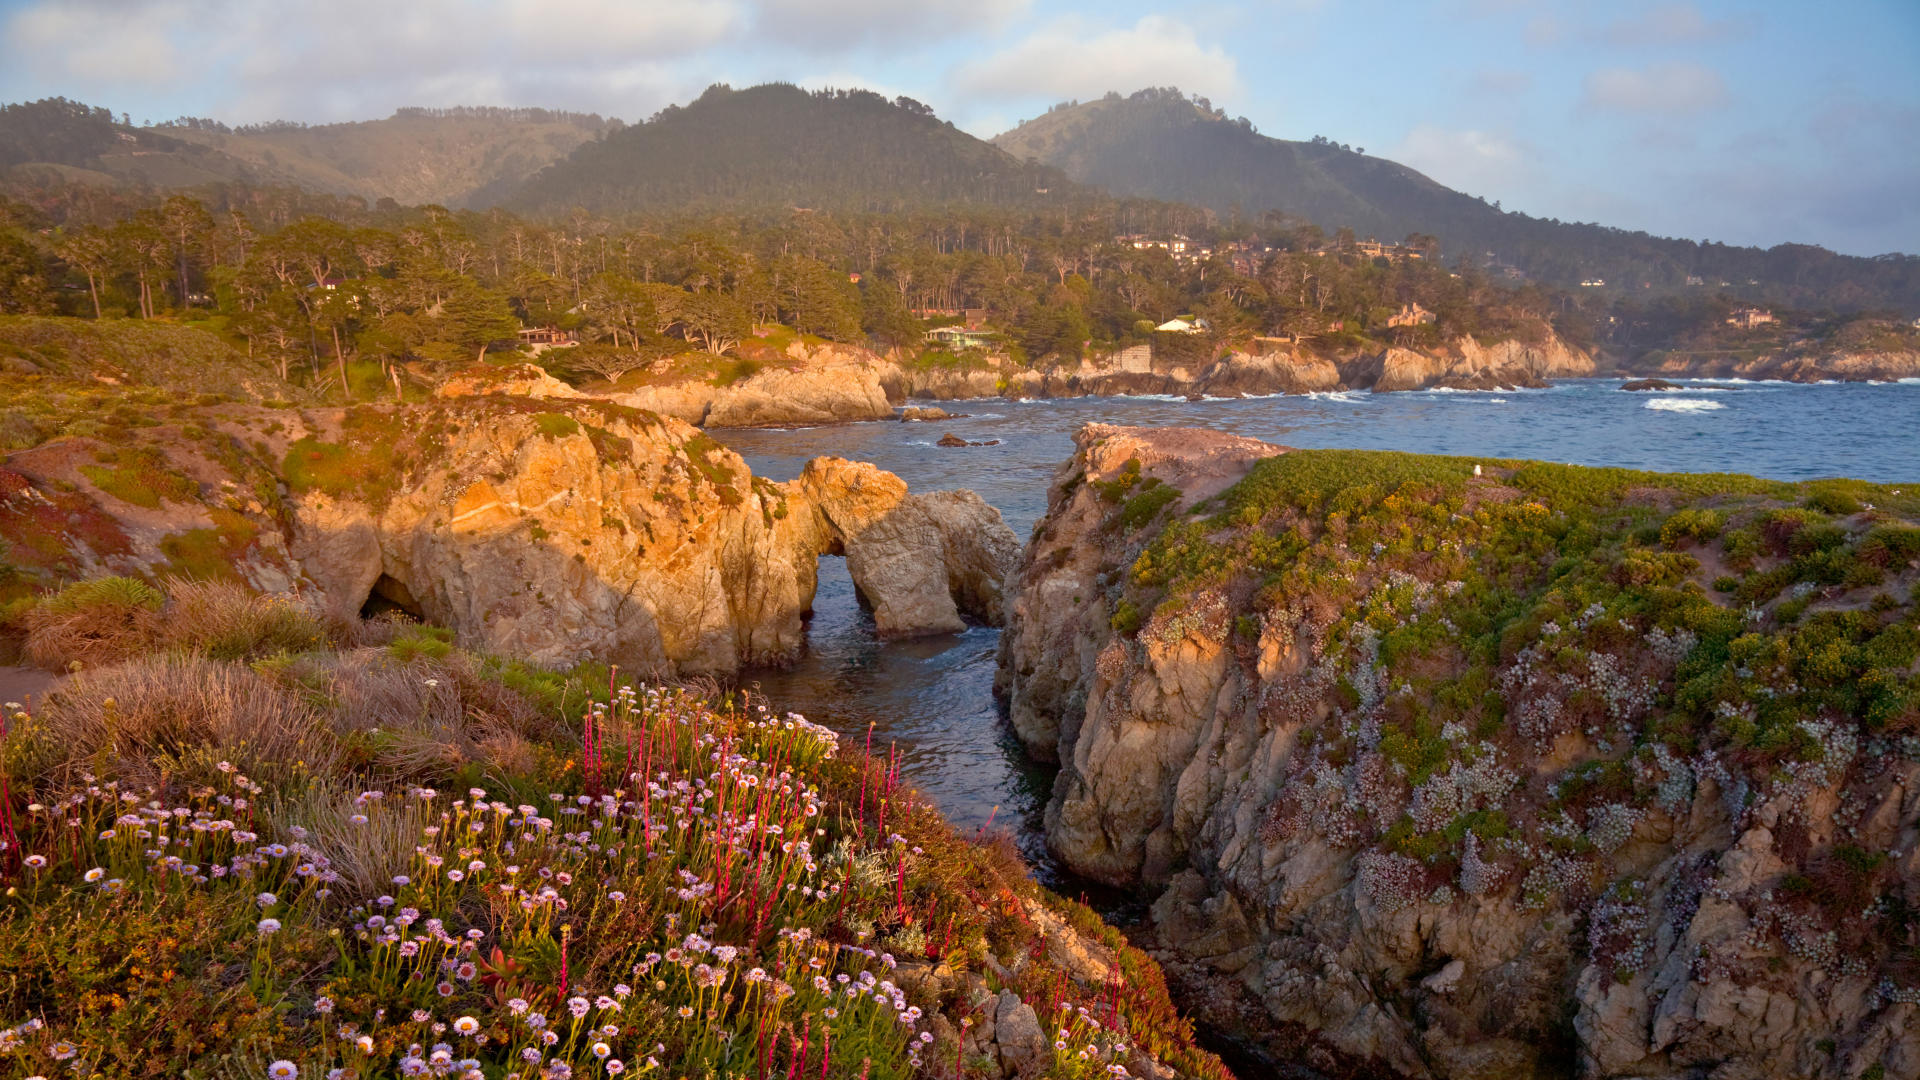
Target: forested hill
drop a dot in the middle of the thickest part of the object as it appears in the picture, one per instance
(1159, 144)
(72, 141)
(452, 157)
(460, 157)
(780, 146)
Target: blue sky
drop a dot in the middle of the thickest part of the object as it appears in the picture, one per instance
(1752, 123)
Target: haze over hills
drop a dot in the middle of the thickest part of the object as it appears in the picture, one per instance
(1157, 143)
(777, 145)
(465, 157)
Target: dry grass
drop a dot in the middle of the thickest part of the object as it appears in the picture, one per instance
(110, 619)
(156, 716)
(91, 623)
(425, 719)
(366, 853)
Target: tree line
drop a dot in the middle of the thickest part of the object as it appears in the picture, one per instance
(338, 294)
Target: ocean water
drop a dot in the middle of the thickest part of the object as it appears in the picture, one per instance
(933, 696)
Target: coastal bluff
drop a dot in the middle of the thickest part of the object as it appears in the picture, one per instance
(551, 528)
(1450, 767)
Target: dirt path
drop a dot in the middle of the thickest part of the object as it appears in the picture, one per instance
(21, 683)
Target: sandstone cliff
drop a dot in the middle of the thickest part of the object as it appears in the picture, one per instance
(1452, 768)
(551, 529)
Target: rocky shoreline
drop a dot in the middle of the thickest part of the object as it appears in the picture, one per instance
(827, 383)
(1251, 706)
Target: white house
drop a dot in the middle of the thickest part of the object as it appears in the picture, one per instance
(1183, 326)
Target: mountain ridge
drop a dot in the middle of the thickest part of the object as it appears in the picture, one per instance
(777, 144)
(1157, 143)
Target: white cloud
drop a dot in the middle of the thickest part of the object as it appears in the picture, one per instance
(1477, 162)
(353, 59)
(831, 25)
(1070, 57)
(1660, 88)
(97, 41)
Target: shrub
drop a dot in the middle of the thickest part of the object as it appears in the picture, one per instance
(1890, 545)
(1116, 489)
(1778, 527)
(1832, 497)
(1691, 524)
(1145, 505)
(92, 622)
(556, 425)
(229, 621)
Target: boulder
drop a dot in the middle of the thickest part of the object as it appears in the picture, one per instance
(921, 413)
(1024, 1048)
(1650, 384)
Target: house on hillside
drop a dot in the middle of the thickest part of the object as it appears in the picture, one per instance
(1410, 315)
(544, 337)
(1747, 318)
(1593, 283)
(959, 337)
(1375, 249)
(1184, 325)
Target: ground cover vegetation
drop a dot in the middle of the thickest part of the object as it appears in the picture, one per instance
(245, 840)
(1506, 667)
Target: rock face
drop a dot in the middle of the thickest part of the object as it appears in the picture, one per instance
(515, 380)
(1465, 364)
(552, 529)
(1797, 364)
(819, 385)
(613, 534)
(1352, 878)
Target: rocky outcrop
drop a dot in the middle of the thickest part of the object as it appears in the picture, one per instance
(512, 380)
(826, 384)
(914, 414)
(1804, 363)
(1265, 368)
(612, 534)
(1465, 364)
(552, 529)
(920, 561)
(1541, 890)
(807, 385)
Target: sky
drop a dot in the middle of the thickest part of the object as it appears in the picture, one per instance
(1743, 122)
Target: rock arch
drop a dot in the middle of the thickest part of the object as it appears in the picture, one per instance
(921, 561)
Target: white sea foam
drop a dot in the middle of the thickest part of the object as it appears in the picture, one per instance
(1683, 405)
(1349, 396)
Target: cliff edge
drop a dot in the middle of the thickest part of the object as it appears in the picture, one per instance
(1447, 767)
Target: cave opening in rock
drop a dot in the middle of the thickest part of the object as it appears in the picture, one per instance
(389, 597)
